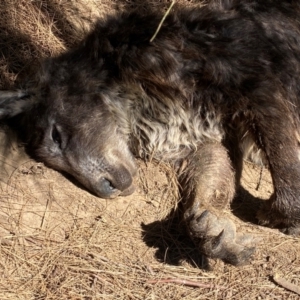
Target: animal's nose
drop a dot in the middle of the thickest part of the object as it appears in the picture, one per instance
(118, 182)
(105, 189)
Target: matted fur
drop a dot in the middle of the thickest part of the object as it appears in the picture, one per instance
(216, 80)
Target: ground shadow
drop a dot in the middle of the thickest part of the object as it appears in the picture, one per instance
(19, 57)
(245, 206)
(170, 238)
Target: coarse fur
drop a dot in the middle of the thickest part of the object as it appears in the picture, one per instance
(217, 81)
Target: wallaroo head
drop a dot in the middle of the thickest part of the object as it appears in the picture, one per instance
(69, 122)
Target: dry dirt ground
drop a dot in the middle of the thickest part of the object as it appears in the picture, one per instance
(60, 242)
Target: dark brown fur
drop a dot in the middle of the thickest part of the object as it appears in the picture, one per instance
(215, 79)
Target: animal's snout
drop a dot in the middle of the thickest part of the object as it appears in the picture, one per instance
(118, 182)
(106, 189)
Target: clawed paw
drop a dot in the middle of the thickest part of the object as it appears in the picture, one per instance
(216, 237)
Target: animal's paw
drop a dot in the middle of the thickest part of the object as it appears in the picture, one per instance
(216, 237)
(269, 215)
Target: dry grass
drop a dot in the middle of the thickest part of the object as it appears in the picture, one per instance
(59, 242)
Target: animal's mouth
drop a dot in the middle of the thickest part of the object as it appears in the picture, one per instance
(128, 191)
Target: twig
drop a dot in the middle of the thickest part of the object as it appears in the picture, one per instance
(150, 270)
(97, 277)
(260, 178)
(48, 207)
(186, 282)
(286, 284)
(162, 21)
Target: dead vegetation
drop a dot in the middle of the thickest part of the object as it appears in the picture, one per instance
(60, 242)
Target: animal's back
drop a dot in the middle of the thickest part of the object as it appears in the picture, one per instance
(203, 71)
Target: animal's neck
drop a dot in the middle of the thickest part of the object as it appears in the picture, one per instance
(167, 128)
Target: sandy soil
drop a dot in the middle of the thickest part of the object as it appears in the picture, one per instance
(60, 242)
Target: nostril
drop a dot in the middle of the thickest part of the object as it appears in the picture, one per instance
(118, 180)
(107, 185)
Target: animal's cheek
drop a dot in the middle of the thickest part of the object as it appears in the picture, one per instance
(51, 155)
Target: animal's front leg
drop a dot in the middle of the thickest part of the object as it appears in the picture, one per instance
(208, 185)
(279, 141)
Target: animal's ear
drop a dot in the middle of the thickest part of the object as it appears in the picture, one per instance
(13, 103)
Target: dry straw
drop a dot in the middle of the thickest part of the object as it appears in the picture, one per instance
(60, 242)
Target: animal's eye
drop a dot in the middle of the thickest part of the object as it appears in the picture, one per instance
(56, 136)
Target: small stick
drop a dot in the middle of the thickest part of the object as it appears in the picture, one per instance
(95, 277)
(150, 270)
(286, 284)
(260, 178)
(186, 282)
(162, 21)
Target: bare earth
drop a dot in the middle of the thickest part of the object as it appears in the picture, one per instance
(60, 242)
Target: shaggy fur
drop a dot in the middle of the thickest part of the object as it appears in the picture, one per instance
(216, 80)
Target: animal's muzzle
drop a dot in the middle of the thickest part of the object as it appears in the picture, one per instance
(118, 182)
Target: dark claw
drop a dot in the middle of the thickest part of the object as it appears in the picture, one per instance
(202, 216)
(216, 237)
(217, 241)
(213, 246)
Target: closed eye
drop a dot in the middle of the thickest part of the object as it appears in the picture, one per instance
(56, 136)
